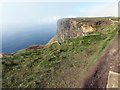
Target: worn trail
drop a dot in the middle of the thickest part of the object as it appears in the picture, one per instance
(109, 61)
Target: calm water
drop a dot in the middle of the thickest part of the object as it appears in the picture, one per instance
(23, 37)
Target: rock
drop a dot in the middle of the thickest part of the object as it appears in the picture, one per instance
(1, 55)
(72, 27)
(113, 80)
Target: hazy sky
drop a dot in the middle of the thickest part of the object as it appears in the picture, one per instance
(17, 15)
(31, 13)
(37, 13)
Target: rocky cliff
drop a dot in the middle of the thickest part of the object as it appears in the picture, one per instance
(69, 64)
(75, 27)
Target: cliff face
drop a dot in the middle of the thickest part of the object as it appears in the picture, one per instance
(68, 28)
(65, 64)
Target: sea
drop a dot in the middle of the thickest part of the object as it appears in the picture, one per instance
(14, 39)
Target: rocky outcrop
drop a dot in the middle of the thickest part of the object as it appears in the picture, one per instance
(113, 79)
(1, 55)
(69, 27)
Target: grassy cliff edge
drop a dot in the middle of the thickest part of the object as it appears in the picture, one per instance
(63, 64)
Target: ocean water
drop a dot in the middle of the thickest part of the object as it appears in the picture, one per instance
(15, 39)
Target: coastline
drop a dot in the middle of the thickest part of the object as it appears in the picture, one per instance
(25, 49)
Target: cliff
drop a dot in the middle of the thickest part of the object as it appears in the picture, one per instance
(65, 64)
(75, 27)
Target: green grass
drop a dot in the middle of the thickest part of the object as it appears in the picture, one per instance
(57, 65)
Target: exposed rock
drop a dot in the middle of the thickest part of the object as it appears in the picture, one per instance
(113, 80)
(1, 55)
(69, 27)
(87, 28)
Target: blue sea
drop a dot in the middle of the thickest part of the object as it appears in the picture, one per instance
(14, 39)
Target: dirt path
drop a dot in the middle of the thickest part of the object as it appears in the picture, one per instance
(108, 61)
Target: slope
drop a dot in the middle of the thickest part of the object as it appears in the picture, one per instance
(63, 64)
(107, 62)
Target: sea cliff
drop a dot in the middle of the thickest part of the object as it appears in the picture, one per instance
(75, 27)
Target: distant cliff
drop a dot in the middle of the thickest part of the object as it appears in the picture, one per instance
(75, 27)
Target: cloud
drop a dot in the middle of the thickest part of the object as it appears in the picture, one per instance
(53, 19)
(49, 19)
(110, 9)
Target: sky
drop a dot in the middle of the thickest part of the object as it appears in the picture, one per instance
(37, 13)
(31, 13)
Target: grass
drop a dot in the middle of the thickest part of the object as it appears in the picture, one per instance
(57, 65)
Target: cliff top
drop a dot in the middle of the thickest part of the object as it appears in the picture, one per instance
(58, 65)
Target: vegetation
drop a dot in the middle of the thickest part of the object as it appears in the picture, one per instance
(58, 65)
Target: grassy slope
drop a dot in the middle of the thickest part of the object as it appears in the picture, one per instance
(57, 65)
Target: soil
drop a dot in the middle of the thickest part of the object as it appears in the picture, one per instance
(35, 47)
(98, 74)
